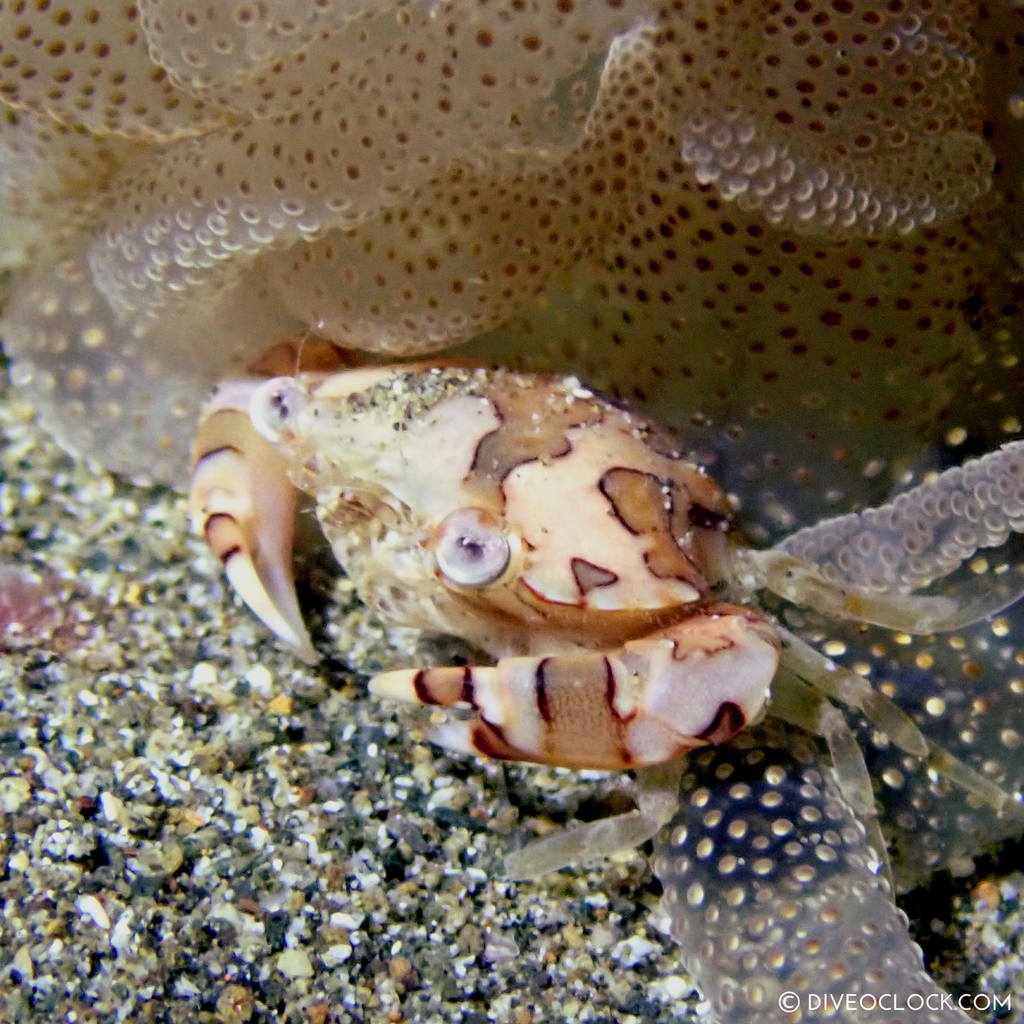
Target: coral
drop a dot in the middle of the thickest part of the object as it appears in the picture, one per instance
(403, 177)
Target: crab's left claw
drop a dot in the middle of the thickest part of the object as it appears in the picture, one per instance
(244, 506)
(695, 682)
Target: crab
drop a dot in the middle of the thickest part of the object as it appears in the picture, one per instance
(446, 493)
(569, 537)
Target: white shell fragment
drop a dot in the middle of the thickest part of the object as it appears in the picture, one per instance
(90, 907)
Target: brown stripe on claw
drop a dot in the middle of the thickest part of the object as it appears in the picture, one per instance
(243, 505)
(213, 452)
(610, 694)
(710, 645)
(697, 681)
(541, 693)
(468, 695)
(488, 739)
(421, 689)
(444, 686)
(221, 533)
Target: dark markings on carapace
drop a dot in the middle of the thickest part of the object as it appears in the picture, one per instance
(705, 518)
(608, 486)
(728, 721)
(500, 451)
(540, 598)
(523, 436)
(589, 576)
(540, 692)
(645, 505)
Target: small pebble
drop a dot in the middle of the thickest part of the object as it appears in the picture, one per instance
(90, 907)
(295, 964)
(22, 963)
(280, 705)
(235, 1004)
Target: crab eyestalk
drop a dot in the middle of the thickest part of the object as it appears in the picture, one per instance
(243, 505)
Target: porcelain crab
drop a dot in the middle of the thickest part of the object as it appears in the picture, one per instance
(547, 526)
(569, 537)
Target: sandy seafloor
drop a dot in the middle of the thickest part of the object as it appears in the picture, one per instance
(196, 827)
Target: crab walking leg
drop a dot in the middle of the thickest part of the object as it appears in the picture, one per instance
(802, 583)
(243, 504)
(821, 673)
(657, 798)
(695, 682)
(798, 703)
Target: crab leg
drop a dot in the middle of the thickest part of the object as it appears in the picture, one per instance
(244, 506)
(695, 682)
(805, 665)
(657, 799)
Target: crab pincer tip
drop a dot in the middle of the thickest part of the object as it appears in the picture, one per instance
(396, 685)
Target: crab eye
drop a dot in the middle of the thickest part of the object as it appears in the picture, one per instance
(275, 404)
(470, 550)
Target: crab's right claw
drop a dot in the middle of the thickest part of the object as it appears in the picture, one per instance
(243, 504)
(688, 684)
